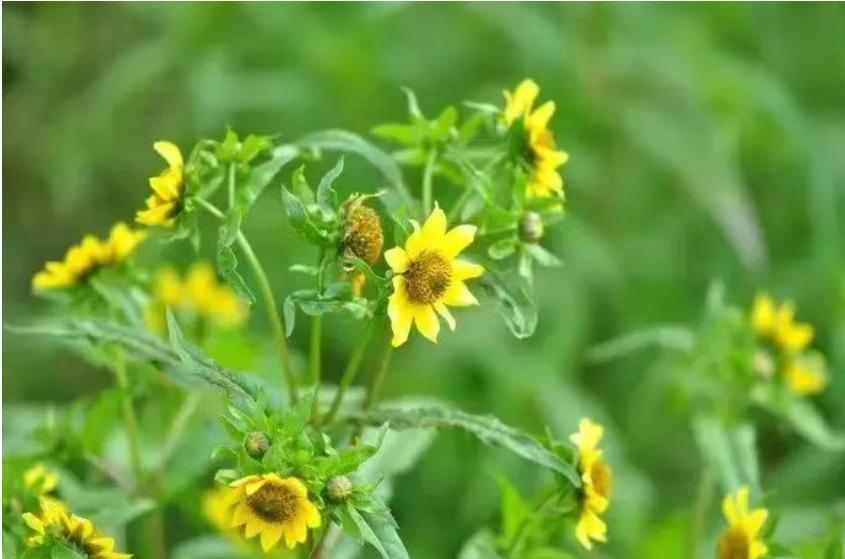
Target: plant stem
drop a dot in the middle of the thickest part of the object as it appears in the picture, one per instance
(276, 326)
(459, 205)
(316, 338)
(374, 388)
(699, 511)
(427, 186)
(129, 419)
(350, 371)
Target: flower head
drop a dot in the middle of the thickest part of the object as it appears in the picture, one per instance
(595, 490)
(199, 292)
(430, 277)
(56, 523)
(540, 152)
(741, 539)
(165, 203)
(84, 259)
(273, 507)
(41, 480)
(363, 237)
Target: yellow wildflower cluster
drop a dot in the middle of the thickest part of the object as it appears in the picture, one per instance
(741, 539)
(803, 372)
(55, 521)
(595, 489)
(541, 151)
(86, 258)
(199, 292)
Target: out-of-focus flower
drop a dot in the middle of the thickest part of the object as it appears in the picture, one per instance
(741, 539)
(595, 479)
(54, 522)
(430, 277)
(83, 260)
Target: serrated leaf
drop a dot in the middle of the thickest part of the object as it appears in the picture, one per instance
(337, 297)
(326, 194)
(379, 530)
(227, 266)
(301, 221)
(261, 175)
(486, 429)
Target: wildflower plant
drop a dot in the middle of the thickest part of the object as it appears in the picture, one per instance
(293, 462)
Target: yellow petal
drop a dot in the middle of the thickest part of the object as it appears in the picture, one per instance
(755, 521)
(170, 152)
(397, 259)
(539, 119)
(447, 316)
(271, 536)
(290, 535)
(312, 515)
(794, 337)
(400, 312)
(588, 436)
(415, 244)
(168, 184)
(158, 216)
(33, 522)
(763, 315)
(254, 526)
(457, 240)
(758, 549)
(241, 515)
(434, 227)
(463, 270)
(426, 320)
(519, 103)
(458, 295)
(296, 487)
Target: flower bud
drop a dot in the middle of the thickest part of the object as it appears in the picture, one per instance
(256, 444)
(363, 237)
(531, 227)
(339, 489)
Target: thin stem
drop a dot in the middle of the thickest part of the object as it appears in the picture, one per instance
(374, 388)
(699, 511)
(276, 326)
(459, 205)
(427, 185)
(522, 531)
(231, 181)
(129, 419)
(178, 427)
(316, 338)
(350, 371)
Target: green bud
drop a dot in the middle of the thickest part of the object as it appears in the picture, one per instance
(256, 444)
(531, 227)
(339, 489)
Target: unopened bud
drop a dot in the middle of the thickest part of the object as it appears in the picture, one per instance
(339, 489)
(531, 227)
(256, 444)
(764, 365)
(364, 236)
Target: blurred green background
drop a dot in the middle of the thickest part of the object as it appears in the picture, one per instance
(707, 143)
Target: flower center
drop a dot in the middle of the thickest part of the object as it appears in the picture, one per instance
(733, 545)
(273, 503)
(600, 475)
(427, 278)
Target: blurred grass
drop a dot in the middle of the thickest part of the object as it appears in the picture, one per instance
(707, 142)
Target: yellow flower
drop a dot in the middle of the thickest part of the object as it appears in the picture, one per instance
(541, 151)
(778, 324)
(200, 292)
(595, 479)
(272, 506)
(740, 540)
(75, 531)
(166, 201)
(86, 258)
(429, 277)
(805, 374)
(40, 479)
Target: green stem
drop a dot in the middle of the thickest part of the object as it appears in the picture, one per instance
(129, 419)
(350, 371)
(316, 339)
(427, 185)
(231, 181)
(459, 205)
(374, 388)
(276, 326)
(523, 531)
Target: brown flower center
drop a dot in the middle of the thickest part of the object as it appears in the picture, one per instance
(427, 278)
(273, 503)
(733, 545)
(600, 475)
(364, 236)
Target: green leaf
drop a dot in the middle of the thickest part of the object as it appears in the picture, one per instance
(547, 553)
(730, 452)
(227, 265)
(444, 123)
(514, 509)
(252, 146)
(10, 548)
(513, 303)
(326, 195)
(100, 418)
(230, 228)
(261, 175)
(413, 105)
(345, 141)
(502, 249)
(804, 418)
(40, 552)
(542, 256)
(405, 134)
(297, 416)
(379, 530)
(337, 297)
(666, 337)
(301, 221)
(487, 429)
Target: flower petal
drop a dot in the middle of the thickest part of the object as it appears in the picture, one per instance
(458, 295)
(443, 311)
(426, 320)
(400, 312)
(170, 152)
(271, 536)
(539, 119)
(415, 243)
(397, 259)
(457, 240)
(463, 270)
